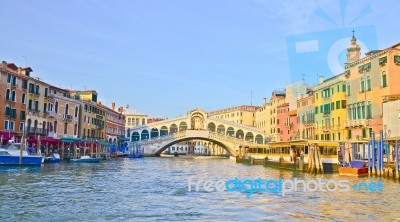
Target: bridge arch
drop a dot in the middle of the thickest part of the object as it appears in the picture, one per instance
(135, 136)
(230, 131)
(154, 133)
(182, 126)
(163, 131)
(221, 144)
(211, 127)
(249, 137)
(240, 134)
(144, 135)
(221, 129)
(259, 139)
(173, 128)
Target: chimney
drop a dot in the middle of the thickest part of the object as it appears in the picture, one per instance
(120, 109)
(113, 106)
(264, 101)
(321, 79)
(4, 64)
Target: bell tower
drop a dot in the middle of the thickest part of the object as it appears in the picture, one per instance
(353, 50)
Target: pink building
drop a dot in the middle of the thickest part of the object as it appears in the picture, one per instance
(286, 122)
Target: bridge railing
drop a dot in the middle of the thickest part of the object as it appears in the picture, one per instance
(158, 123)
(231, 138)
(213, 135)
(237, 125)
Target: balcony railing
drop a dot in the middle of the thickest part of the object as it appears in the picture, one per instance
(355, 123)
(36, 130)
(67, 117)
(51, 114)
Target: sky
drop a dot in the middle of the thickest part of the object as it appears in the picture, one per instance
(165, 58)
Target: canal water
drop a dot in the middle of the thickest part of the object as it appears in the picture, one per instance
(156, 189)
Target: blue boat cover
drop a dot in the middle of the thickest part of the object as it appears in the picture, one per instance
(357, 164)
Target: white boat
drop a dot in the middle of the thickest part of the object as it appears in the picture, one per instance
(11, 154)
(86, 159)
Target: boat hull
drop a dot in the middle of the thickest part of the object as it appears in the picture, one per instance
(26, 160)
(91, 160)
(52, 160)
(348, 171)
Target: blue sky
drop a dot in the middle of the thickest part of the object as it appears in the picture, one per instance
(164, 58)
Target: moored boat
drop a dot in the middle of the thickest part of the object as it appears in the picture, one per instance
(354, 168)
(12, 154)
(55, 158)
(86, 159)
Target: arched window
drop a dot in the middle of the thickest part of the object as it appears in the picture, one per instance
(76, 112)
(13, 96)
(66, 109)
(55, 126)
(23, 98)
(129, 121)
(56, 108)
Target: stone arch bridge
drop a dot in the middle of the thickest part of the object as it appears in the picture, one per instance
(196, 125)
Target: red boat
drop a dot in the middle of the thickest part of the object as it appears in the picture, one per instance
(354, 168)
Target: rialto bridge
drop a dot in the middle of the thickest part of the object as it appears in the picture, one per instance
(155, 137)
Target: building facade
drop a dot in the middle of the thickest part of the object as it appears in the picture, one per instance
(368, 80)
(92, 116)
(306, 117)
(330, 109)
(245, 115)
(63, 113)
(13, 99)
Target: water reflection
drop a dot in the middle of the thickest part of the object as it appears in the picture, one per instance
(152, 189)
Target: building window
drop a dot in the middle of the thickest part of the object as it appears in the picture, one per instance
(348, 89)
(6, 124)
(65, 128)
(76, 111)
(55, 126)
(8, 78)
(66, 109)
(75, 129)
(8, 94)
(37, 90)
(23, 98)
(56, 107)
(369, 111)
(368, 83)
(21, 127)
(362, 86)
(384, 80)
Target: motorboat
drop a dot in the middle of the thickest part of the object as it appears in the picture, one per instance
(54, 158)
(354, 168)
(86, 159)
(11, 154)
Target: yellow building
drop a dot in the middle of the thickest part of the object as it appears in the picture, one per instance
(277, 99)
(245, 115)
(263, 116)
(92, 118)
(62, 114)
(330, 108)
(37, 100)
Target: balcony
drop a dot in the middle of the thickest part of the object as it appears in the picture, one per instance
(67, 117)
(51, 114)
(355, 123)
(34, 130)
